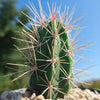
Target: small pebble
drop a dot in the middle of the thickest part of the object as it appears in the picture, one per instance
(19, 97)
(33, 96)
(4, 95)
(96, 98)
(40, 97)
(25, 98)
(70, 99)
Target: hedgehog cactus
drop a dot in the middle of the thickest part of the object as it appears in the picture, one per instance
(51, 52)
(52, 61)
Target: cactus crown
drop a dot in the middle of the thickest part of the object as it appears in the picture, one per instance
(51, 51)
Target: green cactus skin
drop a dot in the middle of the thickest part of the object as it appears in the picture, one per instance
(56, 62)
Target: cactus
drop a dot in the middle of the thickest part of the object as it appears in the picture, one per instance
(52, 61)
(51, 52)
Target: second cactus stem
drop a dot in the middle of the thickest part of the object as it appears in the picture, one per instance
(52, 66)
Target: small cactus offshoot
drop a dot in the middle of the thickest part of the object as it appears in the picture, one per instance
(50, 51)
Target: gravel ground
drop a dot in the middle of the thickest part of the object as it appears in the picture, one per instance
(74, 94)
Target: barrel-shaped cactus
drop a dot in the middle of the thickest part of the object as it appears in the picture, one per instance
(51, 52)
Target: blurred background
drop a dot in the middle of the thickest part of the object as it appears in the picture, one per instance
(10, 10)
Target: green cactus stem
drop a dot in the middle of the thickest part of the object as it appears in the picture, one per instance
(55, 61)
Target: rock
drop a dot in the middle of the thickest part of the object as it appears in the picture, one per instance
(40, 97)
(33, 96)
(25, 98)
(29, 91)
(19, 97)
(74, 94)
(4, 95)
(96, 98)
(27, 94)
(13, 95)
(69, 97)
